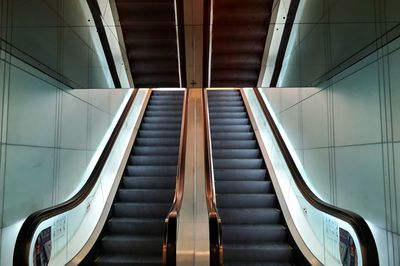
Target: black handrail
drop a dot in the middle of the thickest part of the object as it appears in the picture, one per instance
(171, 222)
(25, 235)
(214, 220)
(369, 252)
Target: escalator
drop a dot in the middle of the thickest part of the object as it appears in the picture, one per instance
(134, 231)
(253, 228)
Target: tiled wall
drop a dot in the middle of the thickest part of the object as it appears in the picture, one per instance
(346, 133)
(345, 122)
(49, 135)
(49, 132)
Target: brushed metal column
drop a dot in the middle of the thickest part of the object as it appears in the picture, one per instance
(193, 235)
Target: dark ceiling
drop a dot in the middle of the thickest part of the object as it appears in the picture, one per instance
(239, 33)
(149, 32)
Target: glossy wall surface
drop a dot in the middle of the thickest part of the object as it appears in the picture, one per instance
(49, 131)
(60, 38)
(49, 136)
(344, 125)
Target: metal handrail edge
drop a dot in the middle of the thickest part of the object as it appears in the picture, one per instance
(214, 220)
(171, 221)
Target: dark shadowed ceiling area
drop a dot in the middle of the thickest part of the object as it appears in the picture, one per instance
(238, 34)
(239, 31)
(150, 39)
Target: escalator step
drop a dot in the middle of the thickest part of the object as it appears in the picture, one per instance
(236, 153)
(220, 98)
(212, 103)
(257, 263)
(160, 126)
(149, 182)
(166, 93)
(159, 133)
(232, 144)
(229, 121)
(164, 113)
(155, 142)
(246, 200)
(155, 151)
(273, 252)
(150, 170)
(141, 210)
(162, 119)
(164, 108)
(226, 128)
(223, 92)
(146, 195)
(153, 160)
(242, 187)
(250, 216)
(131, 226)
(165, 102)
(237, 234)
(128, 260)
(220, 109)
(238, 163)
(240, 174)
(228, 115)
(233, 136)
(132, 245)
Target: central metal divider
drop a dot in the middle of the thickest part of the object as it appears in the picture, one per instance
(193, 231)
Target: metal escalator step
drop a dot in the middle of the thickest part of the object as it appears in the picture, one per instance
(164, 108)
(234, 144)
(228, 115)
(250, 216)
(153, 160)
(273, 252)
(212, 103)
(229, 121)
(128, 260)
(236, 153)
(226, 128)
(257, 263)
(163, 119)
(164, 93)
(132, 245)
(163, 113)
(217, 109)
(246, 200)
(166, 102)
(233, 136)
(238, 163)
(155, 151)
(224, 98)
(160, 126)
(138, 226)
(151, 170)
(141, 210)
(239, 233)
(248, 187)
(146, 195)
(149, 182)
(240, 174)
(155, 142)
(223, 92)
(159, 133)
